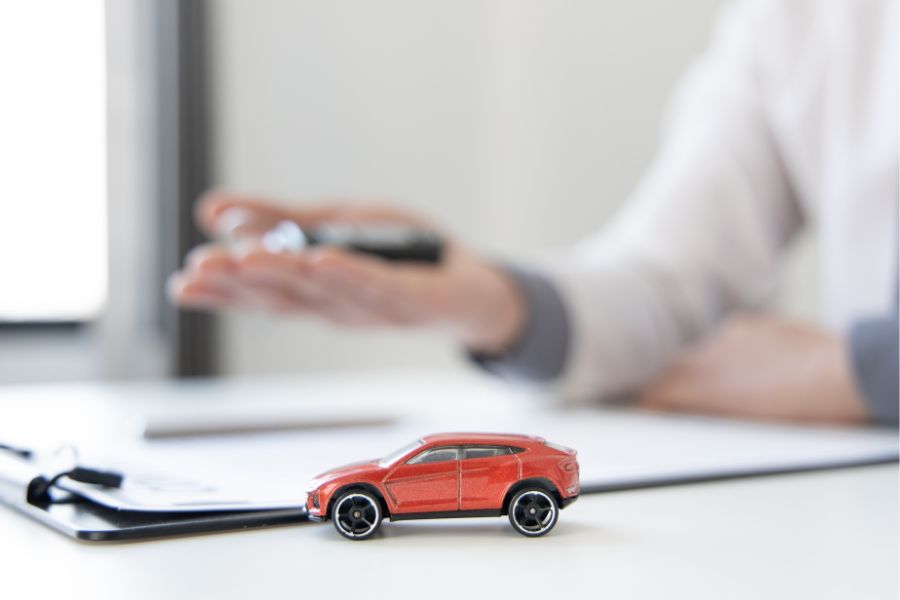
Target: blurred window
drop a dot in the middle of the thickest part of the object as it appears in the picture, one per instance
(53, 232)
(435, 455)
(485, 451)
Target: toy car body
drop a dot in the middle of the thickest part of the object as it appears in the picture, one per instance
(451, 475)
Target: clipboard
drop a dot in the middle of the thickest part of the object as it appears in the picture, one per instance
(86, 520)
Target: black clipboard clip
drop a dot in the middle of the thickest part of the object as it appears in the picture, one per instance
(38, 489)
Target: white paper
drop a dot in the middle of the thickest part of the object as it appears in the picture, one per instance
(614, 447)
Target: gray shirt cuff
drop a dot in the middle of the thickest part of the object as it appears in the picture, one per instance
(540, 353)
(874, 353)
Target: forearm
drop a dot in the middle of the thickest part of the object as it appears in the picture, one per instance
(802, 372)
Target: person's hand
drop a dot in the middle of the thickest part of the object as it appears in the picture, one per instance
(761, 367)
(478, 304)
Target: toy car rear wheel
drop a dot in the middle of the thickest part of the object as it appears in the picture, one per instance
(533, 511)
(357, 514)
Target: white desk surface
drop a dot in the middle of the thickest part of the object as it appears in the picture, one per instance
(818, 535)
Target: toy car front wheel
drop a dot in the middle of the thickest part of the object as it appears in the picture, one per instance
(533, 512)
(357, 514)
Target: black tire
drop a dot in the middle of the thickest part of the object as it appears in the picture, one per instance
(533, 511)
(357, 514)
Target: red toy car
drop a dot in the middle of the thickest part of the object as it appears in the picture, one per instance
(451, 475)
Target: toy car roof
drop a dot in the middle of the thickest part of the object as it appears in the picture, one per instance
(480, 438)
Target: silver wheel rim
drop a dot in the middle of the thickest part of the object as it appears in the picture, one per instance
(357, 515)
(534, 512)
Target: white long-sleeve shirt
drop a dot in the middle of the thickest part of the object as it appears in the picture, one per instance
(789, 120)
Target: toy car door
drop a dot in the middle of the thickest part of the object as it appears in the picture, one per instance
(485, 474)
(427, 482)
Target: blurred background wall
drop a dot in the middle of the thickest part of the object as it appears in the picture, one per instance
(519, 124)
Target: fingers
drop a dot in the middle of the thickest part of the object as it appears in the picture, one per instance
(351, 213)
(203, 282)
(211, 280)
(210, 260)
(345, 287)
(334, 285)
(189, 293)
(342, 287)
(260, 213)
(296, 277)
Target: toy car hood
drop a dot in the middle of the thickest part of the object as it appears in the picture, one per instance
(365, 466)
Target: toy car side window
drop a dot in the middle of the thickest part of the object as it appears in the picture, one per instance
(515, 449)
(484, 451)
(434, 455)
